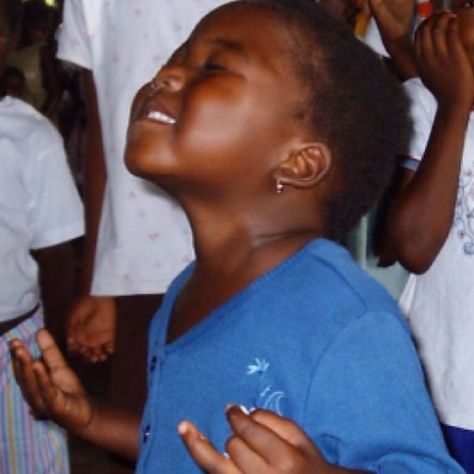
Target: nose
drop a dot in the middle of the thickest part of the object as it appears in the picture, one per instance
(169, 77)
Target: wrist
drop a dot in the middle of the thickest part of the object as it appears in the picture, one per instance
(87, 426)
(454, 108)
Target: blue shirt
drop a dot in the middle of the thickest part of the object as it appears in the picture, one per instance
(314, 339)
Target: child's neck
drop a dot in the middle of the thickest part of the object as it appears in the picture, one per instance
(227, 239)
(232, 251)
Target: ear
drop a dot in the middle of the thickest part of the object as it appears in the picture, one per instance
(306, 166)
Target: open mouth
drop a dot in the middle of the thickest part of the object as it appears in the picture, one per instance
(161, 117)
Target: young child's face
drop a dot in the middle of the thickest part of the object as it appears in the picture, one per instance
(222, 112)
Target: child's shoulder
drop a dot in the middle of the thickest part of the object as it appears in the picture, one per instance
(340, 281)
(25, 127)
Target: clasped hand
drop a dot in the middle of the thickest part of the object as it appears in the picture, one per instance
(262, 443)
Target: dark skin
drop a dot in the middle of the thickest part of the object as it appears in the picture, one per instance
(241, 234)
(91, 321)
(57, 283)
(262, 442)
(224, 76)
(423, 203)
(394, 19)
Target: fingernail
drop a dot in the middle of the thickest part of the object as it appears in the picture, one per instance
(183, 428)
(226, 455)
(241, 408)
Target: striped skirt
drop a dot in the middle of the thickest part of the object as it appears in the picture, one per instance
(26, 444)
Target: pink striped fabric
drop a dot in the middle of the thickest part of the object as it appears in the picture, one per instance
(27, 445)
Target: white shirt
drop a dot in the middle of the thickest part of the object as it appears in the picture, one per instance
(373, 39)
(440, 303)
(144, 238)
(39, 204)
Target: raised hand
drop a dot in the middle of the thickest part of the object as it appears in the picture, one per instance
(49, 386)
(394, 17)
(442, 61)
(263, 442)
(91, 328)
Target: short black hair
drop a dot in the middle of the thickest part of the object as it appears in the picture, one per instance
(11, 12)
(355, 106)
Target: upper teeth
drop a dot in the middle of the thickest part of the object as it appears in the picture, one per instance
(160, 117)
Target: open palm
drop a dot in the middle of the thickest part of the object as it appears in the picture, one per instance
(50, 386)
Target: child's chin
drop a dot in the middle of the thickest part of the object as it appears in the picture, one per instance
(135, 164)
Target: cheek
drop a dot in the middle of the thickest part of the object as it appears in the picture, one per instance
(225, 121)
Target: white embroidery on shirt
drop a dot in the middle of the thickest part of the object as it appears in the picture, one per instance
(267, 397)
(463, 223)
(260, 366)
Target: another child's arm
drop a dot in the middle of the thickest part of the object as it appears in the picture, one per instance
(54, 391)
(92, 319)
(57, 280)
(394, 19)
(262, 442)
(422, 211)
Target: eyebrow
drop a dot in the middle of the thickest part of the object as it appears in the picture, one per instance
(231, 46)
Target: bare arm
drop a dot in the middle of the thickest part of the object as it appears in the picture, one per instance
(421, 215)
(92, 319)
(95, 177)
(54, 391)
(394, 19)
(57, 282)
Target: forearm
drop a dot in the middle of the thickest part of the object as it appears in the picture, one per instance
(422, 216)
(57, 282)
(402, 58)
(94, 181)
(114, 431)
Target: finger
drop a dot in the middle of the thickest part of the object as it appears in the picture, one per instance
(274, 449)
(438, 34)
(244, 457)
(50, 352)
(423, 41)
(47, 390)
(453, 38)
(89, 355)
(26, 377)
(109, 347)
(203, 453)
(283, 427)
(94, 340)
(289, 431)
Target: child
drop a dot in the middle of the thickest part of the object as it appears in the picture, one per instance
(143, 239)
(251, 126)
(39, 211)
(430, 223)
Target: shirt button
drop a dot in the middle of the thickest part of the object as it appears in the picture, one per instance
(153, 363)
(146, 433)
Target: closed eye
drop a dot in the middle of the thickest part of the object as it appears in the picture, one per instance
(212, 65)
